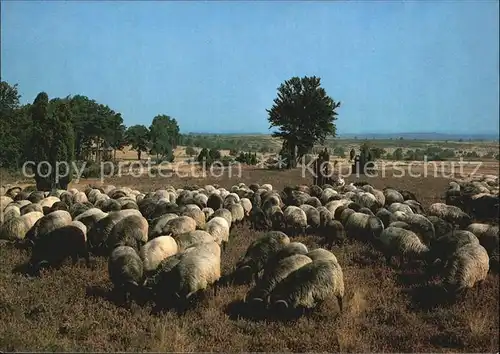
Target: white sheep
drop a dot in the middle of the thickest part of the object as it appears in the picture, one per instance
(218, 227)
(309, 285)
(468, 266)
(156, 250)
(395, 241)
(273, 275)
(363, 226)
(295, 219)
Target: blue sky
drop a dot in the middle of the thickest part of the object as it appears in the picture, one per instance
(409, 66)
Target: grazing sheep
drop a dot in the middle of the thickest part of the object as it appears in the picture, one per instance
(467, 267)
(313, 216)
(189, 239)
(273, 275)
(125, 270)
(392, 196)
(395, 241)
(422, 226)
(288, 250)
(30, 208)
(16, 228)
(488, 238)
(363, 227)
(366, 211)
(367, 200)
(276, 217)
(80, 197)
(58, 206)
(225, 214)
(313, 201)
(415, 206)
(327, 194)
(295, 220)
(90, 217)
(344, 216)
(48, 223)
(247, 206)
(108, 205)
(407, 195)
(441, 227)
(100, 231)
(200, 200)
(324, 216)
(37, 196)
(308, 285)
(157, 225)
(215, 201)
(130, 231)
(11, 211)
(267, 186)
(443, 247)
(208, 212)
(259, 219)
(79, 208)
(4, 201)
(231, 198)
(484, 206)
(55, 247)
(196, 270)
(258, 254)
(334, 204)
(386, 216)
(218, 227)
(450, 213)
(178, 225)
(320, 254)
(156, 250)
(49, 201)
(333, 232)
(196, 214)
(163, 206)
(395, 207)
(237, 212)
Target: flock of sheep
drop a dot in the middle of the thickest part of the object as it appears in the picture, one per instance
(167, 245)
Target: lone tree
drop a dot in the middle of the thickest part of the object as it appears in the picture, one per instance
(304, 115)
(164, 136)
(52, 142)
(138, 137)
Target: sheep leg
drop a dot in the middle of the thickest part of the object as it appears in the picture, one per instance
(216, 286)
(479, 286)
(339, 300)
(74, 258)
(87, 259)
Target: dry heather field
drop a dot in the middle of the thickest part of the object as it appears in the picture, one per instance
(386, 309)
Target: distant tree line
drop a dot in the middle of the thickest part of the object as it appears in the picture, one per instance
(73, 128)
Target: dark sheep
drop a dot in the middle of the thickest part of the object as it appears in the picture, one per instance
(60, 244)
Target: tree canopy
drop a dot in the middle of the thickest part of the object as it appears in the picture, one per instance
(138, 137)
(304, 115)
(51, 142)
(164, 136)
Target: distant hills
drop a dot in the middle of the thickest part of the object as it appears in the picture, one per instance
(422, 136)
(407, 136)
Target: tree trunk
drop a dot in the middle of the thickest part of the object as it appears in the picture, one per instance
(139, 155)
